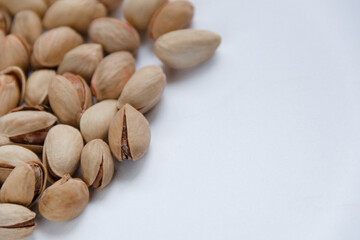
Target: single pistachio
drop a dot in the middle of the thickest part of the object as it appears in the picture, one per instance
(69, 97)
(114, 35)
(95, 121)
(27, 24)
(97, 164)
(15, 6)
(112, 74)
(14, 52)
(129, 134)
(51, 47)
(5, 21)
(111, 5)
(12, 88)
(144, 89)
(170, 17)
(186, 48)
(82, 60)
(64, 200)
(79, 14)
(37, 87)
(16, 221)
(62, 151)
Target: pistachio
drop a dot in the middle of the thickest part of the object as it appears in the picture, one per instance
(82, 60)
(129, 134)
(139, 12)
(97, 164)
(5, 21)
(15, 6)
(16, 221)
(64, 200)
(27, 24)
(12, 88)
(51, 47)
(69, 97)
(186, 48)
(170, 17)
(62, 150)
(144, 89)
(37, 87)
(25, 184)
(111, 4)
(14, 52)
(95, 121)
(112, 74)
(114, 35)
(79, 14)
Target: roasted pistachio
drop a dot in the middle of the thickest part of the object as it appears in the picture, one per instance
(14, 52)
(27, 24)
(15, 6)
(5, 21)
(37, 87)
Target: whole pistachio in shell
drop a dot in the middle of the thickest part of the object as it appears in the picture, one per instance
(95, 121)
(5, 21)
(111, 4)
(16, 221)
(15, 6)
(62, 151)
(64, 200)
(51, 47)
(114, 35)
(129, 134)
(97, 164)
(37, 87)
(27, 24)
(144, 89)
(82, 60)
(112, 74)
(14, 52)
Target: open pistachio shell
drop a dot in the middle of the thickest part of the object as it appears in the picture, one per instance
(14, 52)
(5, 21)
(37, 87)
(27, 24)
(15, 6)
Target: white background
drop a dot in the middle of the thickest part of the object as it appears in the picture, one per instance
(262, 142)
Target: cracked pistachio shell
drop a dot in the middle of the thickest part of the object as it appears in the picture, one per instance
(97, 164)
(186, 48)
(144, 89)
(111, 4)
(37, 87)
(129, 134)
(27, 24)
(95, 121)
(14, 52)
(25, 184)
(114, 35)
(64, 200)
(62, 151)
(15, 6)
(16, 221)
(82, 60)
(51, 47)
(5, 21)
(69, 97)
(12, 88)
(170, 17)
(79, 14)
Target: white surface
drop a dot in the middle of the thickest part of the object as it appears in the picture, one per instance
(261, 142)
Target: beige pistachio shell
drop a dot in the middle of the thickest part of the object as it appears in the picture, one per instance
(14, 52)
(15, 6)
(95, 121)
(5, 21)
(16, 221)
(186, 48)
(112, 74)
(170, 17)
(64, 200)
(129, 134)
(37, 87)
(144, 89)
(62, 151)
(97, 164)
(114, 35)
(69, 97)
(51, 47)
(82, 60)
(27, 24)
(111, 4)
(79, 14)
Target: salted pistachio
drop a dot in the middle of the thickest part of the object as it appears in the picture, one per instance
(51, 47)
(79, 14)
(5, 21)
(37, 87)
(170, 17)
(82, 60)
(144, 89)
(112, 74)
(16, 221)
(14, 52)
(186, 48)
(27, 24)
(15, 6)
(111, 5)
(12, 88)
(129, 134)
(114, 35)
(62, 151)
(64, 200)
(97, 164)
(95, 121)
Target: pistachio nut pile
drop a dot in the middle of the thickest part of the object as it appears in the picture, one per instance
(66, 102)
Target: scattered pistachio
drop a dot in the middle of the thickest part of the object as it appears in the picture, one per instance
(37, 87)
(25, 20)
